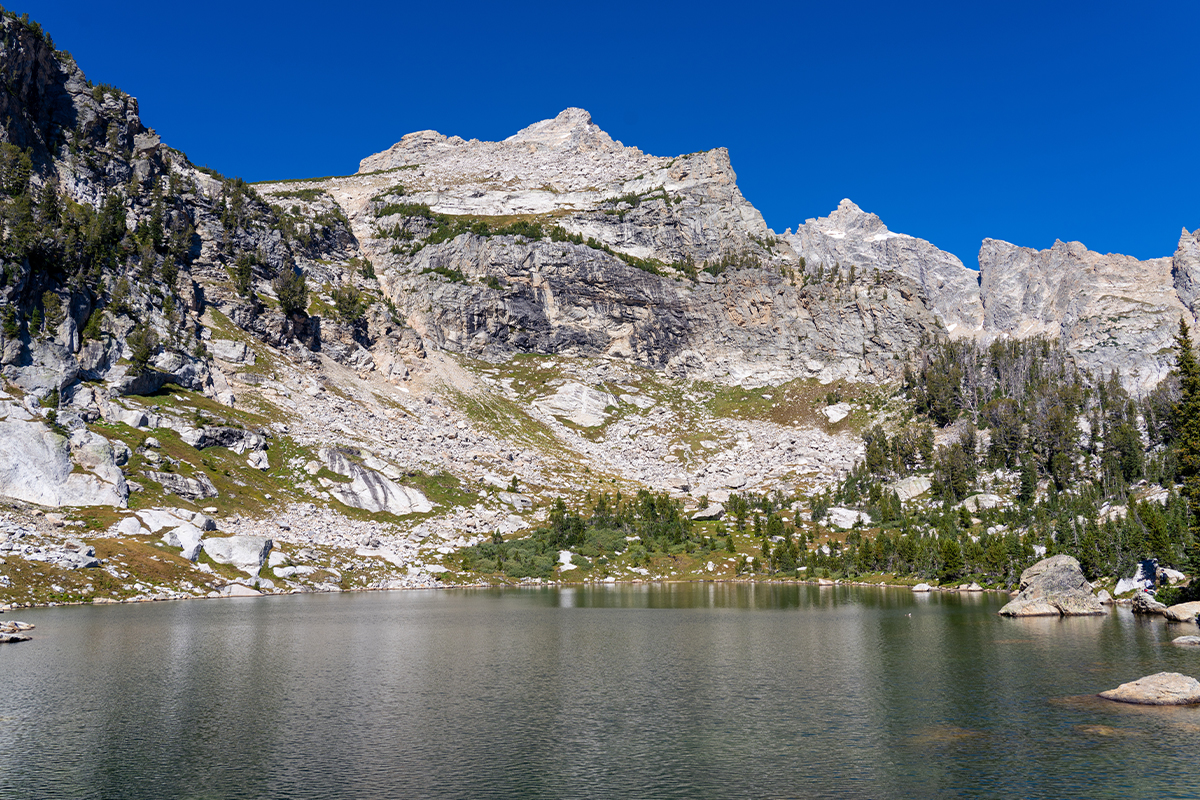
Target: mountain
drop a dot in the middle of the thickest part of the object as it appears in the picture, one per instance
(382, 369)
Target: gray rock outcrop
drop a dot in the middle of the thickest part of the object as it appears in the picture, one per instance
(245, 553)
(36, 464)
(1054, 586)
(369, 490)
(1160, 689)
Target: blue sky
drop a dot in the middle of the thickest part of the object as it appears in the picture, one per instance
(1023, 121)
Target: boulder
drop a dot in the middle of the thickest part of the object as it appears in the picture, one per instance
(130, 526)
(1054, 586)
(580, 404)
(713, 511)
(846, 517)
(1144, 578)
(837, 412)
(1144, 603)
(187, 538)
(239, 440)
(246, 553)
(979, 502)
(908, 488)
(238, 590)
(189, 488)
(922, 587)
(1186, 641)
(1160, 689)
(1182, 612)
(517, 501)
(232, 351)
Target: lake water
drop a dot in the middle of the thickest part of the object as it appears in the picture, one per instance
(685, 690)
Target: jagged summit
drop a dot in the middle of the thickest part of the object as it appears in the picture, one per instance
(572, 129)
(850, 235)
(849, 218)
(568, 152)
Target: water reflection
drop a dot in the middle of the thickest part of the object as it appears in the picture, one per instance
(676, 690)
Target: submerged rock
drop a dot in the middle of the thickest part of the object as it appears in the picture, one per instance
(1054, 586)
(1160, 689)
(1186, 641)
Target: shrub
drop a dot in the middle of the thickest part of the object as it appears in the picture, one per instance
(292, 292)
(143, 344)
(348, 303)
(243, 274)
(9, 322)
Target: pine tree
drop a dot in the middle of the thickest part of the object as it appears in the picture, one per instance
(1187, 418)
(1028, 490)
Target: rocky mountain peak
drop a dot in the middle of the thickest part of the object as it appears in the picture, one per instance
(848, 218)
(568, 152)
(572, 129)
(851, 236)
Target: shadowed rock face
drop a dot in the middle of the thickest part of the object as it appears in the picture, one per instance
(1054, 586)
(751, 327)
(1160, 689)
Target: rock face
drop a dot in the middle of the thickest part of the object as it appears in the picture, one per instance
(580, 404)
(1054, 586)
(369, 490)
(36, 464)
(1160, 689)
(1185, 267)
(753, 326)
(1110, 311)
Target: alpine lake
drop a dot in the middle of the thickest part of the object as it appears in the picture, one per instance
(689, 690)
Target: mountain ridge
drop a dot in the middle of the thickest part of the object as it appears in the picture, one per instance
(441, 348)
